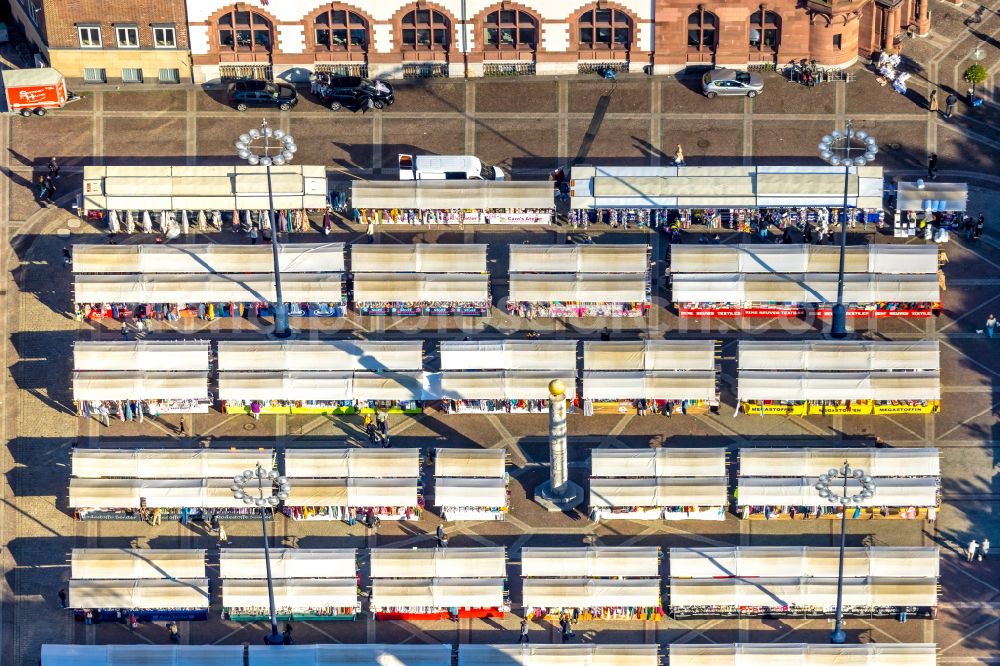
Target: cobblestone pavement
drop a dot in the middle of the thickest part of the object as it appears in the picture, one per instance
(530, 127)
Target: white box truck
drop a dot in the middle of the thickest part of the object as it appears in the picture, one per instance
(446, 167)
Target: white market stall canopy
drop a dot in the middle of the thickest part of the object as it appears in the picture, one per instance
(651, 385)
(815, 592)
(757, 258)
(138, 385)
(146, 655)
(650, 355)
(792, 386)
(353, 492)
(216, 288)
(419, 258)
(483, 463)
(244, 187)
(658, 462)
(145, 563)
(592, 562)
(321, 386)
(168, 355)
(623, 258)
(832, 356)
(345, 463)
(288, 563)
(804, 562)
(578, 288)
(558, 655)
(936, 197)
(167, 463)
(452, 194)
(724, 187)
(470, 492)
(610, 493)
(351, 655)
(437, 592)
(163, 493)
(584, 593)
(139, 593)
(800, 491)
(209, 258)
(802, 654)
(803, 288)
(508, 355)
(420, 288)
(291, 593)
(320, 355)
(438, 563)
(878, 463)
(514, 385)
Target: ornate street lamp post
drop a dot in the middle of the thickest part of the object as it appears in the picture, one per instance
(836, 476)
(267, 146)
(848, 149)
(264, 489)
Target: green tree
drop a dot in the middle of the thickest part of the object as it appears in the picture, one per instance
(975, 74)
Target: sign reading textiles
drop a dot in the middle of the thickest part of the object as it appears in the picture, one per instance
(796, 312)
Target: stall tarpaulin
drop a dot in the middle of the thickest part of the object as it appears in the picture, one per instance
(778, 259)
(783, 592)
(352, 462)
(836, 356)
(288, 562)
(471, 195)
(470, 492)
(215, 288)
(802, 288)
(591, 562)
(650, 385)
(673, 492)
(804, 561)
(799, 491)
(936, 197)
(418, 258)
(153, 493)
(147, 355)
(802, 654)
(487, 463)
(307, 386)
(570, 654)
(353, 492)
(353, 655)
(397, 386)
(578, 288)
(146, 563)
(208, 258)
(437, 592)
(584, 593)
(658, 462)
(834, 386)
(146, 655)
(139, 385)
(320, 355)
(291, 592)
(544, 355)
(141, 593)
(610, 258)
(421, 288)
(881, 462)
(167, 463)
(440, 563)
(514, 385)
(650, 355)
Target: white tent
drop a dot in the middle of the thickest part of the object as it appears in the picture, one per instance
(498, 385)
(796, 491)
(320, 355)
(757, 258)
(830, 356)
(163, 493)
(813, 288)
(477, 195)
(144, 655)
(542, 355)
(486, 463)
(215, 288)
(658, 462)
(591, 562)
(653, 492)
(208, 258)
(419, 258)
(880, 462)
(804, 561)
(129, 563)
(139, 385)
(923, 196)
(438, 563)
(291, 593)
(437, 593)
(141, 355)
(816, 592)
(325, 386)
(141, 593)
(883, 386)
(288, 563)
(353, 492)
(167, 463)
(624, 258)
(802, 654)
(352, 462)
(589, 654)
(460, 492)
(578, 288)
(649, 355)
(353, 655)
(649, 385)
(592, 593)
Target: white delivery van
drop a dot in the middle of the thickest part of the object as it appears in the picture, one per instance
(446, 167)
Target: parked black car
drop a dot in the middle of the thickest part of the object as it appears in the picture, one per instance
(251, 92)
(353, 92)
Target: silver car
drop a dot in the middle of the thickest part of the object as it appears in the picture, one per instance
(731, 82)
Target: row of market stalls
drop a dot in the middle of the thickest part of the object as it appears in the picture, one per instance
(795, 280)
(472, 654)
(827, 378)
(174, 200)
(133, 378)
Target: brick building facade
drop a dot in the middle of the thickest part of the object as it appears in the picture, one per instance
(393, 38)
(120, 40)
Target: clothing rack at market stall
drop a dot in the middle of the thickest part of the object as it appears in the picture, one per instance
(777, 483)
(471, 484)
(502, 376)
(579, 281)
(803, 654)
(593, 583)
(587, 654)
(643, 376)
(829, 377)
(315, 584)
(438, 583)
(354, 484)
(658, 484)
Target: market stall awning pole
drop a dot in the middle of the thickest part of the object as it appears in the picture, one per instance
(558, 493)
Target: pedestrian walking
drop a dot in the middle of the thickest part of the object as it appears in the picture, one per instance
(133, 622)
(372, 434)
(932, 166)
(183, 428)
(984, 549)
(371, 231)
(255, 410)
(213, 523)
(253, 235)
(286, 635)
(157, 516)
(440, 536)
(932, 102)
(950, 104)
(105, 415)
(679, 156)
(67, 256)
(88, 616)
(980, 225)
(175, 634)
(53, 168)
(50, 189)
(567, 631)
(62, 597)
(124, 331)
(524, 632)
(970, 550)
(223, 537)
(991, 326)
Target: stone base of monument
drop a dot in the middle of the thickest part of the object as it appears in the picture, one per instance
(571, 498)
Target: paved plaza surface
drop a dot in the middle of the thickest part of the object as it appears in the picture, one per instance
(528, 126)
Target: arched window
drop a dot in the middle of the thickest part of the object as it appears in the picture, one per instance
(510, 29)
(245, 31)
(425, 29)
(605, 29)
(765, 31)
(702, 31)
(341, 30)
